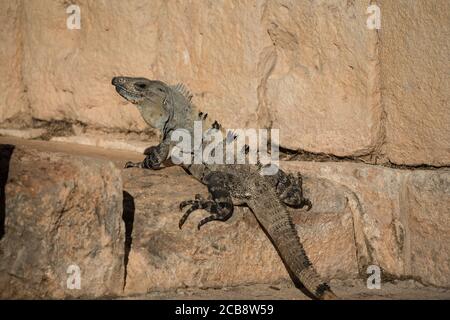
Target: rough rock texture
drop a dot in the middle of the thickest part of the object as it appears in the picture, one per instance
(222, 254)
(22, 133)
(427, 205)
(311, 68)
(172, 41)
(13, 103)
(401, 218)
(60, 210)
(74, 67)
(361, 216)
(319, 85)
(300, 66)
(348, 289)
(415, 46)
(107, 142)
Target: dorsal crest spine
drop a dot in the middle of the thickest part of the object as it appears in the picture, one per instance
(182, 89)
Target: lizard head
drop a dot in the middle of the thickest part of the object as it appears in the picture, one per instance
(141, 91)
(149, 96)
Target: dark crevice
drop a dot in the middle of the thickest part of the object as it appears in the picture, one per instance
(6, 151)
(128, 219)
(422, 166)
(54, 128)
(303, 155)
(64, 128)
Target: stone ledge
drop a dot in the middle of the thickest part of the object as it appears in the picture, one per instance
(362, 214)
(60, 210)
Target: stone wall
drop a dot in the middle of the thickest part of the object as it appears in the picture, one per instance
(371, 105)
(311, 68)
(415, 82)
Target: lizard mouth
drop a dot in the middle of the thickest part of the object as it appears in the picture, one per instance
(130, 96)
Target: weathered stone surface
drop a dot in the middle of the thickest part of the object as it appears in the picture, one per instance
(164, 257)
(74, 67)
(300, 66)
(373, 196)
(66, 209)
(320, 81)
(401, 217)
(60, 210)
(172, 41)
(23, 133)
(312, 69)
(230, 253)
(12, 99)
(415, 46)
(214, 47)
(345, 289)
(427, 207)
(361, 216)
(107, 142)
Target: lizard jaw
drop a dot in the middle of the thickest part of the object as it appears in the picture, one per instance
(130, 96)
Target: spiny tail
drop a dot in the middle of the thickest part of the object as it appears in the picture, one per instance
(277, 222)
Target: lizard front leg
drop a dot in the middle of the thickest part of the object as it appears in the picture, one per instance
(155, 156)
(220, 204)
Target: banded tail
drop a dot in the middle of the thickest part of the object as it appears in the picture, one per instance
(277, 222)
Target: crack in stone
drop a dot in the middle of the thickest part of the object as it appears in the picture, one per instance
(303, 155)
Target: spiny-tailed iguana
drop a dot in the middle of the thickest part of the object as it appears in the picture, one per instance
(169, 108)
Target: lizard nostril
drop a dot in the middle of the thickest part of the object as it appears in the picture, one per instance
(117, 80)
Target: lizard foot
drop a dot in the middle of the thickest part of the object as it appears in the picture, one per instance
(198, 203)
(290, 190)
(219, 211)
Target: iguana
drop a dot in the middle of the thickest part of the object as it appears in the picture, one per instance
(169, 108)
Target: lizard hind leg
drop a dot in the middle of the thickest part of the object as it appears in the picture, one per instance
(220, 205)
(289, 189)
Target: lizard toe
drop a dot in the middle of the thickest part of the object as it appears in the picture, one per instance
(185, 203)
(307, 203)
(130, 164)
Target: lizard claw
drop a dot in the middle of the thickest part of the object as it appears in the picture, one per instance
(198, 203)
(191, 202)
(194, 206)
(130, 164)
(208, 219)
(307, 202)
(186, 203)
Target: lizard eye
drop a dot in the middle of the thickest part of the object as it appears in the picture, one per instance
(140, 86)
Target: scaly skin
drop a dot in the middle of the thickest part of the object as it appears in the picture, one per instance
(169, 108)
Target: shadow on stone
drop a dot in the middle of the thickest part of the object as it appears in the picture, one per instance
(128, 219)
(6, 151)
